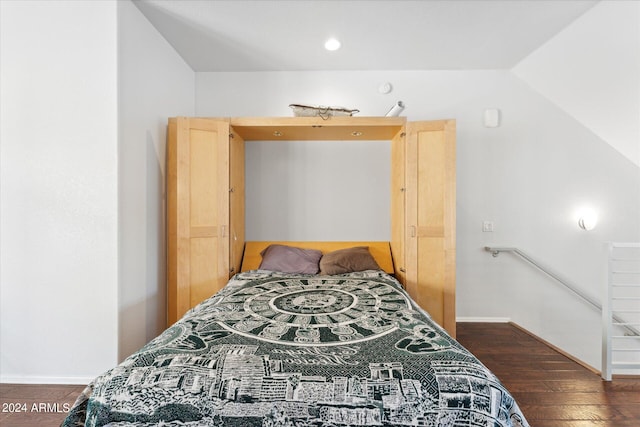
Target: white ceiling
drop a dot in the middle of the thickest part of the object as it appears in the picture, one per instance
(268, 35)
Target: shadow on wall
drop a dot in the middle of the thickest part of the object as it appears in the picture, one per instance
(142, 314)
(156, 298)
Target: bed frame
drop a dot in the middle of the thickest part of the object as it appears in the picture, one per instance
(381, 252)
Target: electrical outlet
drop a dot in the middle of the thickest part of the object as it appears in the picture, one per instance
(487, 226)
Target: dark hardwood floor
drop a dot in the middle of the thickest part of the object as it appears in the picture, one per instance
(36, 405)
(552, 390)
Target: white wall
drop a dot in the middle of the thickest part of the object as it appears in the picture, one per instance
(591, 70)
(86, 92)
(58, 201)
(302, 190)
(154, 84)
(529, 176)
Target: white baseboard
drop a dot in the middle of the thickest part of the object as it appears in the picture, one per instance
(484, 319)
(46, 380)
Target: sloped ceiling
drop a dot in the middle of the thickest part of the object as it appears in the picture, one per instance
(591, 69)
(268, 35)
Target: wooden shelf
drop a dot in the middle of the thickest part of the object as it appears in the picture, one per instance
(318, 129)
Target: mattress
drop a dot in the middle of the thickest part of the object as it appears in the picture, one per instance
(275, 349)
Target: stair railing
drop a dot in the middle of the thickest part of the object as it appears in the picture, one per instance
(613, 309)
(621, 310)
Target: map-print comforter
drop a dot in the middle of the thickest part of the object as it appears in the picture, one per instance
(273, 349)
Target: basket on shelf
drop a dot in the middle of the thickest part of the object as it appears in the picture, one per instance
(300, 110)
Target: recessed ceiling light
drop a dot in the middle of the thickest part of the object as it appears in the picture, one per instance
(332, 44)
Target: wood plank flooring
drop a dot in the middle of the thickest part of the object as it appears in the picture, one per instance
(552, 390)
(31, 405)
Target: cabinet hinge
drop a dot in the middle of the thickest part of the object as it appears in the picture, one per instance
(231, 190)
(231, 136)
(403, 134)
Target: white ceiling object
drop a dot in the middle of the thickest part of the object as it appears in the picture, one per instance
(268, 35)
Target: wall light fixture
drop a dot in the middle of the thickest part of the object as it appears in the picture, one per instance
(587, 219)
(332, 44)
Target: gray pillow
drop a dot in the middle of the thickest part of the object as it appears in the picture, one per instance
(348, 260)
(289, 259)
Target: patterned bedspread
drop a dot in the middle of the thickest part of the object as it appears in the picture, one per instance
(274, 349)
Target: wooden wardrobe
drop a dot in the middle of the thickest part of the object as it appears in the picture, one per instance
(205, 201)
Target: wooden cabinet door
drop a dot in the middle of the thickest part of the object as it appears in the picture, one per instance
(398, 211)
(197, 212)
(430, 218)
(236, 201)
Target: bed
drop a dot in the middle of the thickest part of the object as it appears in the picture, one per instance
(343, 345)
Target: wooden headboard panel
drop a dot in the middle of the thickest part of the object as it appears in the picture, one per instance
(381, 251)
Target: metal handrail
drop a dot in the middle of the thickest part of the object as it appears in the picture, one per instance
(495, 251)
